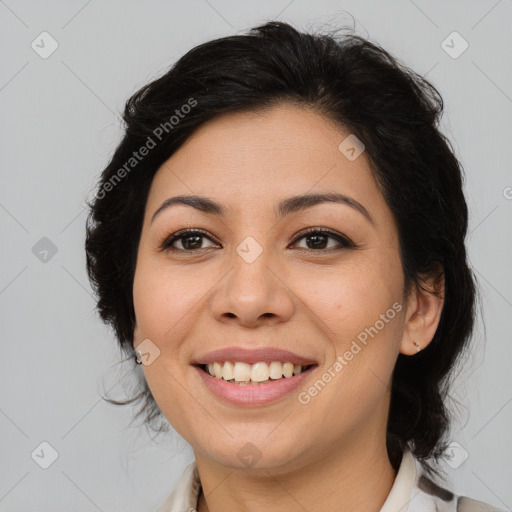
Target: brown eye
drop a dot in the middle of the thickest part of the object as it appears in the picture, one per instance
(190, 240)
(318, 239)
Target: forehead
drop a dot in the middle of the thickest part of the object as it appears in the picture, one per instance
(254, 159)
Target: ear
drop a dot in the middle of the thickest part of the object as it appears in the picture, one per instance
(424, 307)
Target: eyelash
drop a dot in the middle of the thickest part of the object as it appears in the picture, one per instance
(344, 242)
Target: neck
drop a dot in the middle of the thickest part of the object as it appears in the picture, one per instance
(355, 477)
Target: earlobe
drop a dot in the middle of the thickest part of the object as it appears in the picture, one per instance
(136, 353)
(424, 308)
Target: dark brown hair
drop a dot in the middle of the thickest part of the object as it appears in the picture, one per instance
(358, 85)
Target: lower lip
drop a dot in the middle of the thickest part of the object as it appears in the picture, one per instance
(255, 394)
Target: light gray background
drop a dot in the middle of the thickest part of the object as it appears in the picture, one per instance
(59, 125)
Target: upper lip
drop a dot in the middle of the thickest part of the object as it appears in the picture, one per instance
(252, 356)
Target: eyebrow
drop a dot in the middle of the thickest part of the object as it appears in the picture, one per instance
(286, 207)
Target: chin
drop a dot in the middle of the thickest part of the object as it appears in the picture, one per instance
(254, 450)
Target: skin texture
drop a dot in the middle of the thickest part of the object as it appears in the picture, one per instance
(328, 454)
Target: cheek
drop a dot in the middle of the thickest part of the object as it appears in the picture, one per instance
(352, 297)
(362, 346)
(360, 311)
(160, 300)
(164, 306)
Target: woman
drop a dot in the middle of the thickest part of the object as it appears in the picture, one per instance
(280, 238)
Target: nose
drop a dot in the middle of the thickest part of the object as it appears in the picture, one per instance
(254, 293)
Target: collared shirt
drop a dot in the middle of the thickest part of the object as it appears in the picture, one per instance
(412, 491)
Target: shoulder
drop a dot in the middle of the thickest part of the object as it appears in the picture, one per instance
(465, 504)
(445, 500)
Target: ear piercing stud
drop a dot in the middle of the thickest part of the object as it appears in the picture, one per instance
(417, 346)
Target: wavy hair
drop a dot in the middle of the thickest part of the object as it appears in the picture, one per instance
(364, 90)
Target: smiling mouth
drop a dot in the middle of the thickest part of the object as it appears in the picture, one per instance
(243, 374)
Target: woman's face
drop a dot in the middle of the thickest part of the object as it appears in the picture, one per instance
(255, 281)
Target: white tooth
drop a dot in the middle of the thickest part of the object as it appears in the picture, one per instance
(210, 369)
(288, 369)
(217, 368)
(259, 372)
(275, 370)
(228, 371)
(297, 369)
(242, 371)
